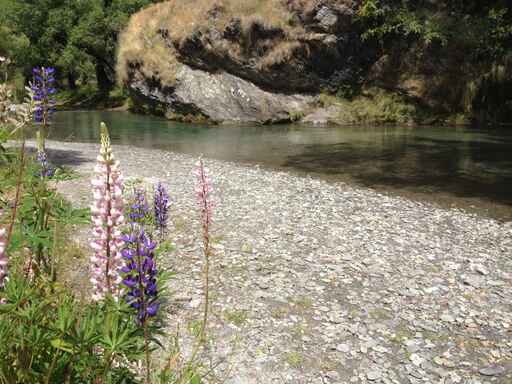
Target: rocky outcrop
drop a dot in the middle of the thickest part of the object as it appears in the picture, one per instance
(238, 66)
(220, 97)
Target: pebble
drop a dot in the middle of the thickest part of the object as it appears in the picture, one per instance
(492, 370)
(374, 375)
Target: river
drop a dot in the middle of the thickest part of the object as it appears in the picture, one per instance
(454, 167)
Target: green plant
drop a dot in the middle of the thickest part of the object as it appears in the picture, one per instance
(295, 359)
(382, 19)
(49, 337)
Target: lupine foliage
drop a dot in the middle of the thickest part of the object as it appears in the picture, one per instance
(49, 337)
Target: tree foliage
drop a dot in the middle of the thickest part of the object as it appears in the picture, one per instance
(78, 37)
(484, 27)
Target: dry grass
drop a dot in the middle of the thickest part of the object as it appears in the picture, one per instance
(183, 17)
(280, 54)
(142, 44)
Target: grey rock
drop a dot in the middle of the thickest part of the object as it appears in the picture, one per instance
(221, 97)
(323, 116)
(374, 375)
(327, 18)
(473, 280)
(447, 318)
(492, 370)
(345, 348)
(416, 359)
(480, 269)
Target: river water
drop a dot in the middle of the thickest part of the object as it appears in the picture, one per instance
(456, 167)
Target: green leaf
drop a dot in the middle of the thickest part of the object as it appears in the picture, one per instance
(62, 345)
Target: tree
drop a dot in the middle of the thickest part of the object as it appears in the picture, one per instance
(72, 35)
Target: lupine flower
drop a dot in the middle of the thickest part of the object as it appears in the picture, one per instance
(43, 88)
(203, 192)
(161, 207)
(107, 217)
(3, 257)
(46, 169)
(140, 274)
(139, 207)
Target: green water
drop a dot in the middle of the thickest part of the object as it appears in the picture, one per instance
(461, 167)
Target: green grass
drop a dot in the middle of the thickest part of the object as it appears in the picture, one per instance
(295, 359)
(374, 106)
(237, 317)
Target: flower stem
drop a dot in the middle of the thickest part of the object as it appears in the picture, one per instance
(146, 350)
(17, 197)
(109, 233)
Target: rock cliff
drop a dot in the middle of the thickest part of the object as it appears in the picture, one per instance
(227, 62)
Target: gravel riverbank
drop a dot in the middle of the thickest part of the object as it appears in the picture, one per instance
(317, 282)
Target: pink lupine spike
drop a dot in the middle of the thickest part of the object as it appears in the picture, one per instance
(107, 217)
(204, 190)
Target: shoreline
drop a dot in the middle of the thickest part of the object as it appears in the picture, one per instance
(315, 282)
(477, 204)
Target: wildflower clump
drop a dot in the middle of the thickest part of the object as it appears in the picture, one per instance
(107, 217)
(204, 190)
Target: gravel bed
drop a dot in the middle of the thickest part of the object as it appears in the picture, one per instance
(318, 282)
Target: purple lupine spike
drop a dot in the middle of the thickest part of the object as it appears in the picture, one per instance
(3, 257)
(107, 217)
(43, 88)
(140, 274)
(161, 208)
(46, 168)
(139, 207)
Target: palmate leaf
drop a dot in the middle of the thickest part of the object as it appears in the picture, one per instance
(120, 334)
(62, 345)
(39, 238)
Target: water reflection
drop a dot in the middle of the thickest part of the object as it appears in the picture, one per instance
(458, 162)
